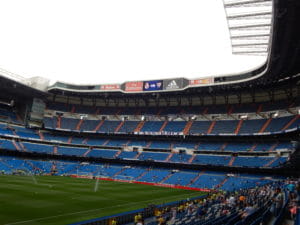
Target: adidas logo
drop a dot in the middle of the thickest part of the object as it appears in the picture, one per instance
(172, 85)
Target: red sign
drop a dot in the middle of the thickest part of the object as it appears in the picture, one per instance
(110, 87)
(201, 81)
(134, 86)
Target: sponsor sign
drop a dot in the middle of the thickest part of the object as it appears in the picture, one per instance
(110, 87)
(134, 86)
(173, 84)
(202, 81)
(154, 85)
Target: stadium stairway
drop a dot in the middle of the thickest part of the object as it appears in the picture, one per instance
(211, 127)
(58, 125)
(221, 183)
(119, 126)
(163, 126)
(149, 144)
(99, 125)
(117, 154)
(238, 127)
(16, 145)
(290, 123)
(22, 146)
(191, 159)
(80, 122)
(268, 164)
(253, 147)
(169, 157)
(70, 140)
(85, 141)
(266, 124)
(106, 142)
(139, 126)
(166, 178)
(33, 166)
(141, 175)
(87, 152)
(120, 171)
(137, 155)
(273, 147)
(187, 127)
(231, 161)
(196, 178)
(41, 135)
(55, 150)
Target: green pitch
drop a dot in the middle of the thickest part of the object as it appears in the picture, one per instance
(64, 200)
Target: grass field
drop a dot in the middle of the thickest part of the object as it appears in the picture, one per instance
(64, 200)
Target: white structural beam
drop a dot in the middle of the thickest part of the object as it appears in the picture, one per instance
(247, 3)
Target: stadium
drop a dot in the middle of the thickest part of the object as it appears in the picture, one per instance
(212, 150)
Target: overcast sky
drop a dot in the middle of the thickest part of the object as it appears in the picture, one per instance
(112, 41)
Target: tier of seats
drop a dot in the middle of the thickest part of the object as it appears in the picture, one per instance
(176, 127)
(198, 179)
(203, 159)
(172, 110)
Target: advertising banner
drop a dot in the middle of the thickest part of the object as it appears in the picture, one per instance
(110, 87)
(134, 86)
(154, 85)
(173, 84)
(202, 81)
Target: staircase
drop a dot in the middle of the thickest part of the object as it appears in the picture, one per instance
(273, 147)
(166, 178)
(87, 152)
(58, 125)
(223, 146)
(140, 176)
(137, 155)
(159, 112)
(106, 142)
(99, 125)
(231, 161)
(253, 147)
(192, 158)
(80, 122)
(238, 127)
(119, 126)
(222, 183)
(163, 126)
(85, 141)
(16, 145)
(117, 173)
(187, 127)
(149, 144)
(211, 127)
(268, 164)
(290, 122)
(205, 111)
(97, 111)
(41, 135)
(22, 146)
(117, 154)
(197, 145)
(169, 157)
(196, 178)
(264, 127)
(70, 140)
(55, 150)
(139, 126)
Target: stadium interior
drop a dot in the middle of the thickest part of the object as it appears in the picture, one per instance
(219, 135)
